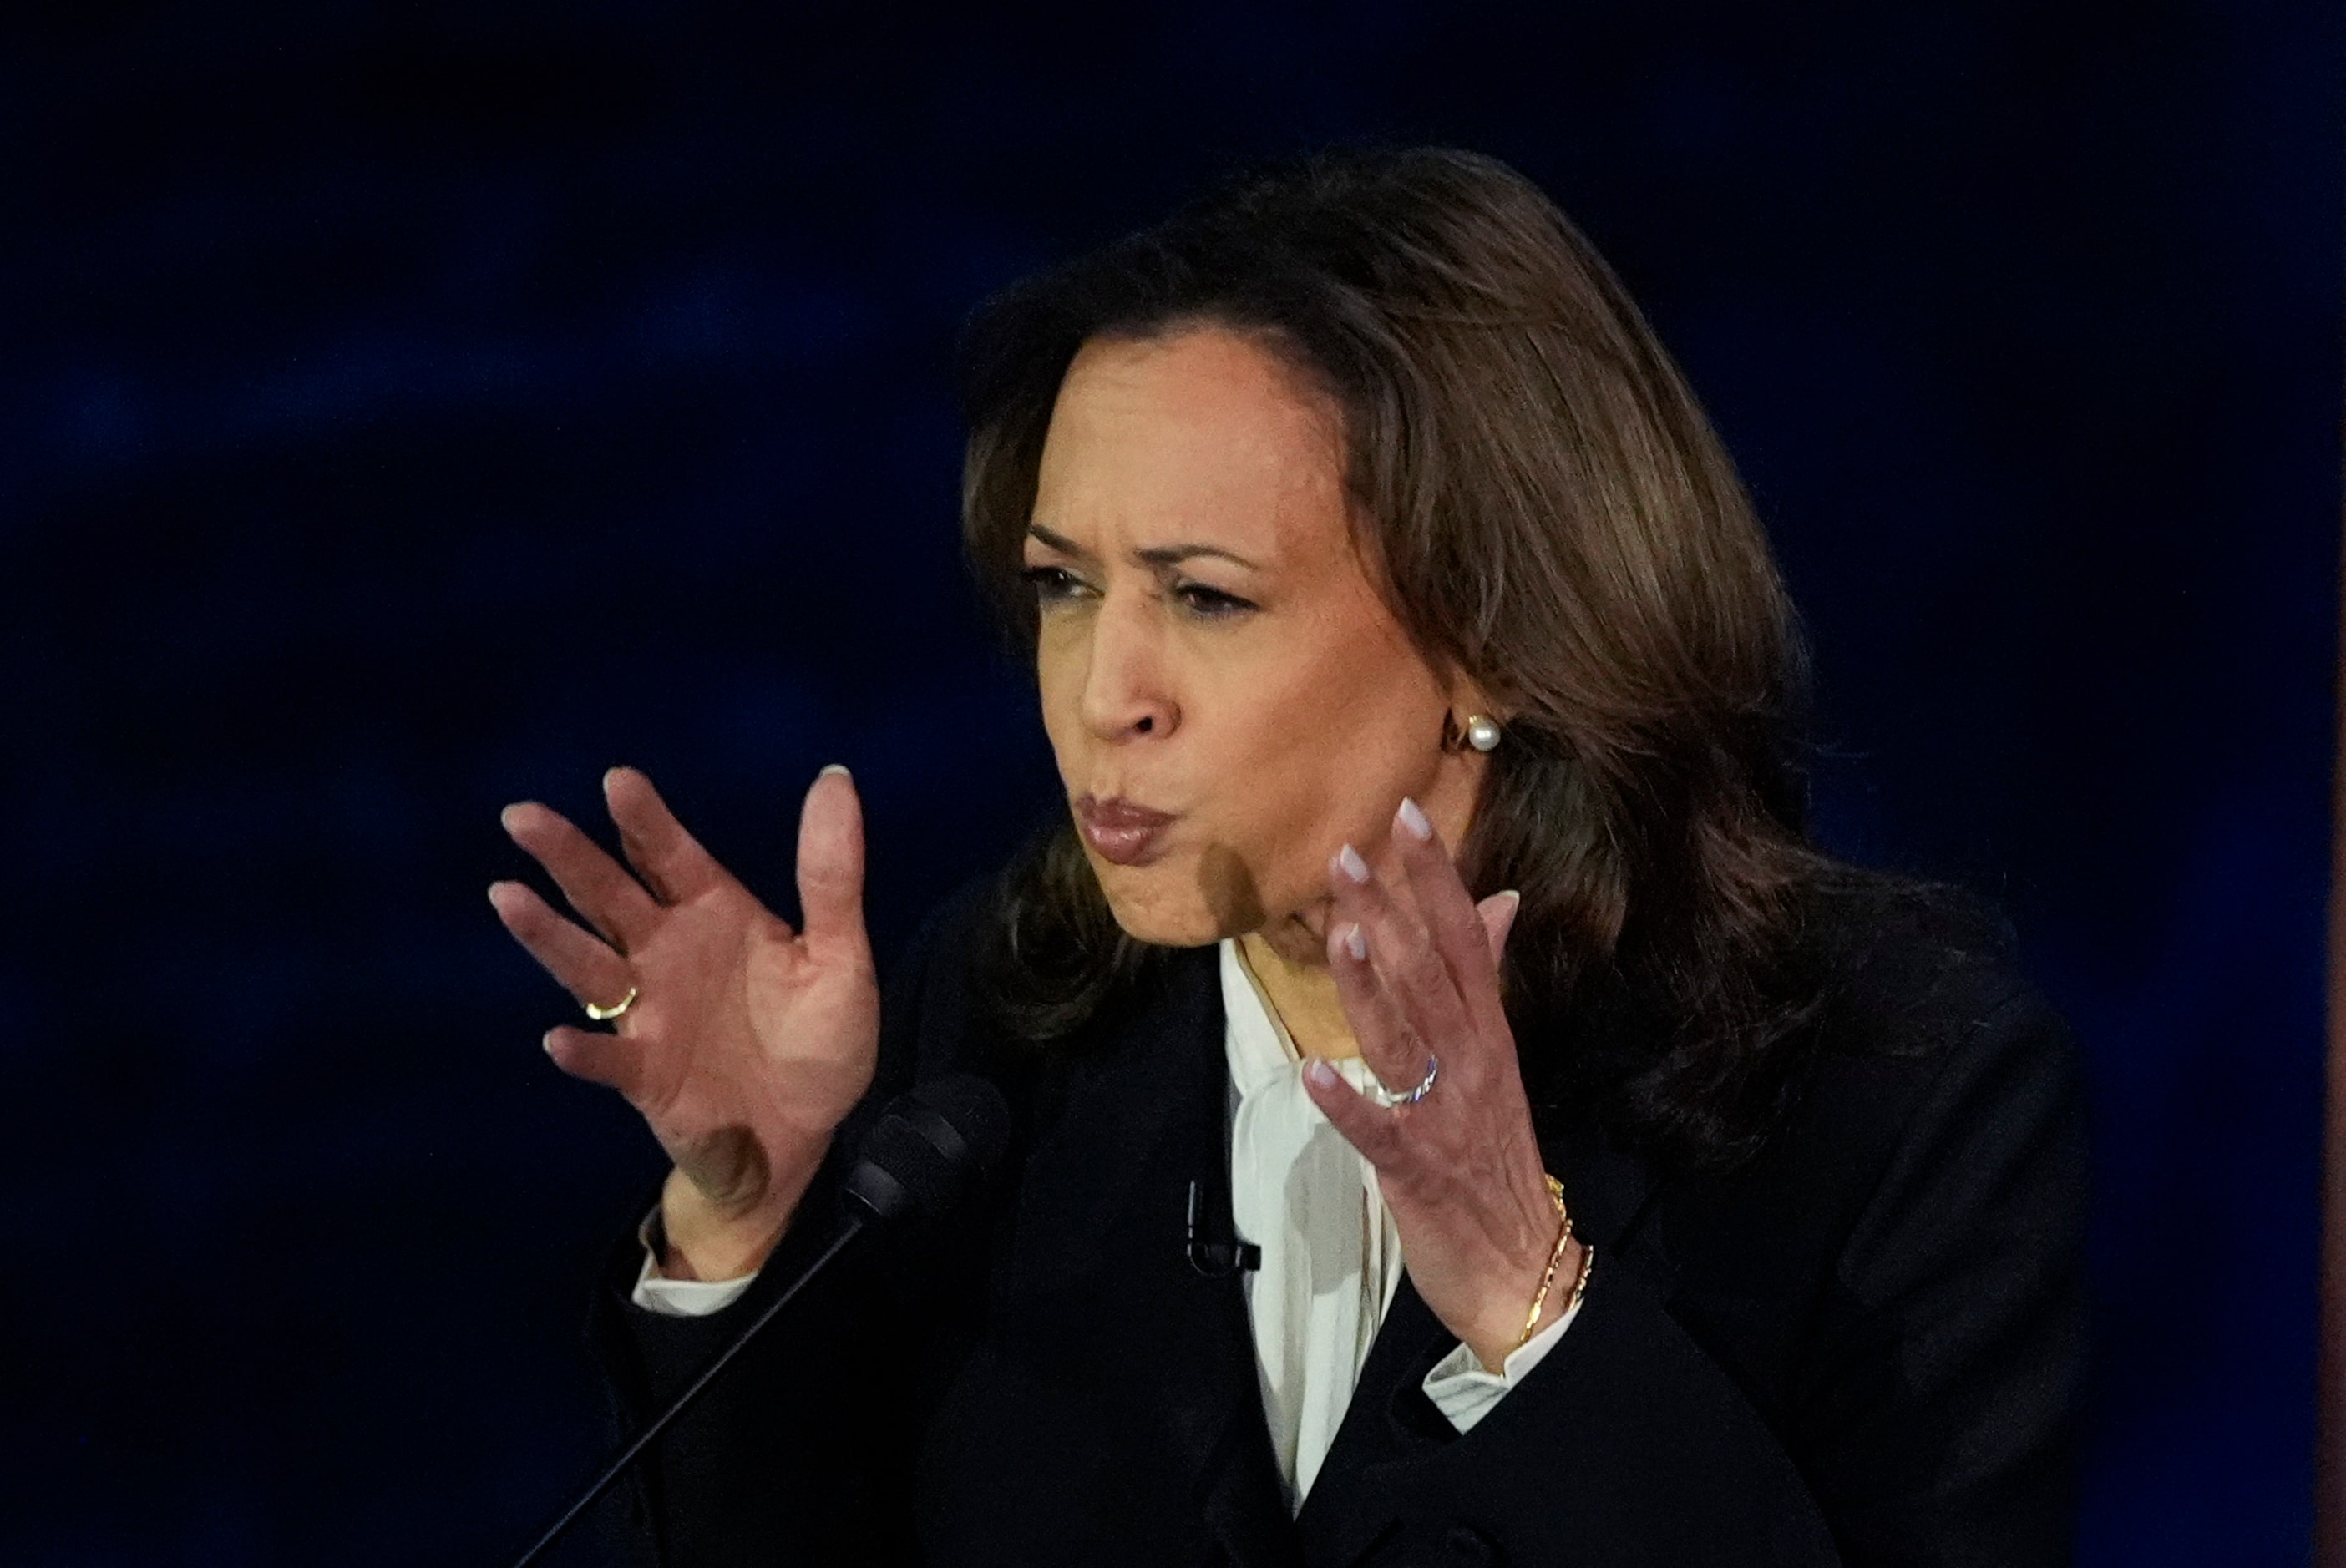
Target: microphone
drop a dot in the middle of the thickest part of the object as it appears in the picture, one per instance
(930, 1147)
(1216, 1257)
(931, 1144)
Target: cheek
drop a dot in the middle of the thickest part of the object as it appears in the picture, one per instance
(1325, 763)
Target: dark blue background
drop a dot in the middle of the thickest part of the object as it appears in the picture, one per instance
(405, 410)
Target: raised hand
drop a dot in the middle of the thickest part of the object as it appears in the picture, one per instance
(742, 1043)
(1416, 964)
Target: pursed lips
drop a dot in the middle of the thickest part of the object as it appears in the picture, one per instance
(1120, 831)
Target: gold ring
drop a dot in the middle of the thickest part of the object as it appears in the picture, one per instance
(604, 1014)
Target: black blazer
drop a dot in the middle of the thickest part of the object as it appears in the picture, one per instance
(1864, 1347)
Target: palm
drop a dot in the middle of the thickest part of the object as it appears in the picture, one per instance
(761, 1034)
(746, 1042)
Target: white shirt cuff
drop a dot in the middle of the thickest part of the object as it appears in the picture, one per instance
(681, 1297)
(1466, 1393)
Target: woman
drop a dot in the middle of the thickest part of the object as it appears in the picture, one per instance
(1425, 696)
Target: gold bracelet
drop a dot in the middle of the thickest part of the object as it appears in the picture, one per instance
(1562, 1241)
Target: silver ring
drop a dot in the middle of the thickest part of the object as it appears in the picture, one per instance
(1389, 1098)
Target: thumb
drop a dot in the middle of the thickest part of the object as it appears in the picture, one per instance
(830, 868)
(1498, 913)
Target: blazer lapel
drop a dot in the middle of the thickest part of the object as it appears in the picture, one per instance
(1153, 1095)
(1341, 1519)
(1610, 1192)
(1159, 1090)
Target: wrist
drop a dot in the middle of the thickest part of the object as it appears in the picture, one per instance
(1519, 1312)
(1504, 1331)
(706, 1239)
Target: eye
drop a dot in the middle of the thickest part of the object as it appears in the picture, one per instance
(1210, 603)
(1052, 584)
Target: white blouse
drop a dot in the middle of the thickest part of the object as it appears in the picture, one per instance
(1330, 1255)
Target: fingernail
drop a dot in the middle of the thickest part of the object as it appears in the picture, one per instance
(505, 817)
(1320, 1073)
(1506, 911)
(839, 767)
(545, 1044)
(1349, 861)
(1356, 942)
(1414, 820)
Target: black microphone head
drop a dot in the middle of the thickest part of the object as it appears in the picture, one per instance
(930, 1147)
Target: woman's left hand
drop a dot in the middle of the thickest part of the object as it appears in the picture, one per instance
(1416, 963)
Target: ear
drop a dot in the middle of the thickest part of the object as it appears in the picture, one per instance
(1469, 731)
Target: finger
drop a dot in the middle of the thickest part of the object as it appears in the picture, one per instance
(1447, 909)
(670, 861)
(1498, 914)
(597, 886)
(606, 1059)
(581, 965)
(1392, 1044)
(1368, 1127)
(831, 870)
(1408, 968)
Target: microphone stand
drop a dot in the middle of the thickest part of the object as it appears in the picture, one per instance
(919, 1160)
(851, 1226)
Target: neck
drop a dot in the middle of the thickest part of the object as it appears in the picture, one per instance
(1296, 981)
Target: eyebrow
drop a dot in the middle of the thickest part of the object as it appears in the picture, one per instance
(1155, 556)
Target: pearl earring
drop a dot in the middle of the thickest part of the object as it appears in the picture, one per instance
(1481, 732)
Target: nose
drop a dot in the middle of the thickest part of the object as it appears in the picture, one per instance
(1126, 693)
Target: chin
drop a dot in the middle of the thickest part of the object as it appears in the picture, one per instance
(1182, 901)
(1145, 915)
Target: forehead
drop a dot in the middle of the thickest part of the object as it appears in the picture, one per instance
(1204, 437)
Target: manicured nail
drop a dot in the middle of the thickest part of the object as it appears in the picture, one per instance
(1507, 904)
(840, 767)
(1414, 820)
(1349, 861)
(1320, 1073)
(1356, 942)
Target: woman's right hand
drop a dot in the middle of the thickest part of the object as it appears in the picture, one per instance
(747, 1043)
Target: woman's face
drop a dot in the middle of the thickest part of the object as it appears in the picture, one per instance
(1229, 698)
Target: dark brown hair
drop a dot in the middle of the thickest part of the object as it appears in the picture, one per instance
(1548, 513)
